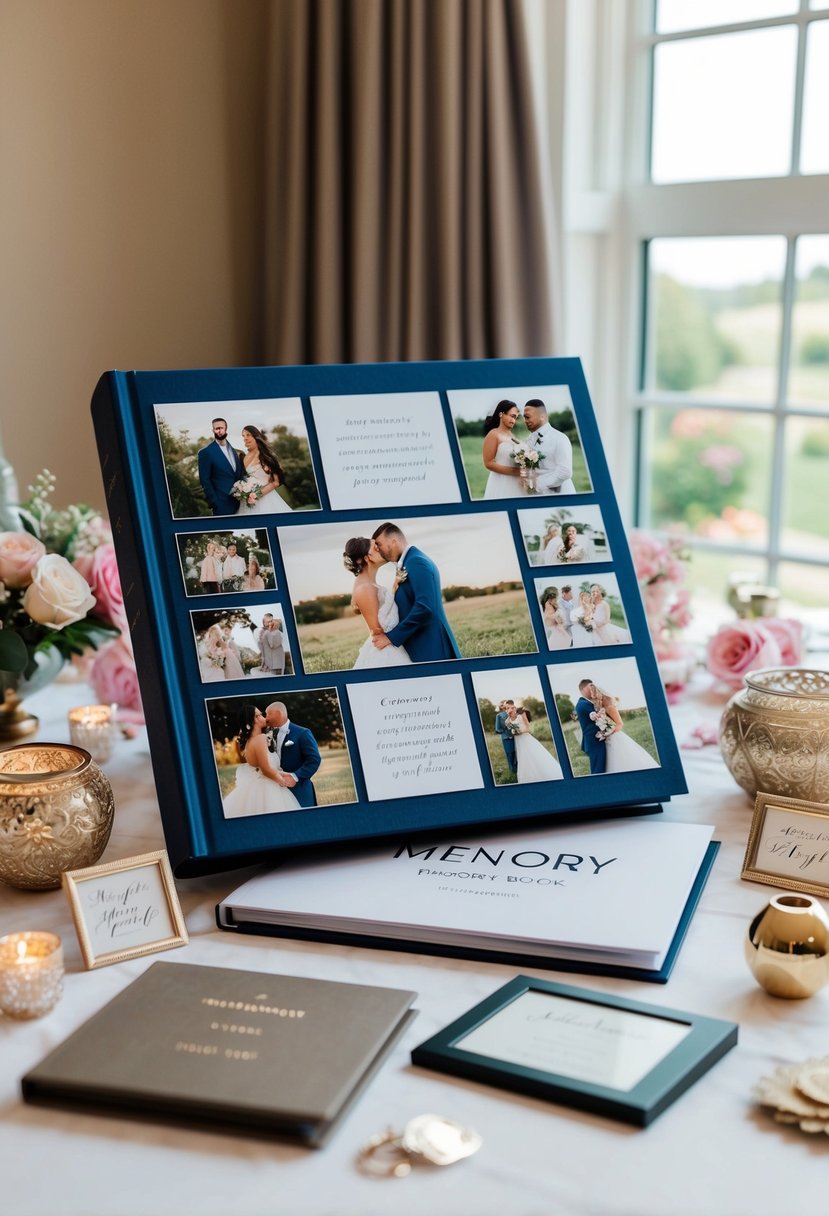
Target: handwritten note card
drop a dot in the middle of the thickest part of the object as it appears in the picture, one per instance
(577, 1039)
(415, 737)
(385, 449)
(795, 845)
(124, 910)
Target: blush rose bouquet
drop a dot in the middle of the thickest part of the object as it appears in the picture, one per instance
(60, 590)
(661, 565)
(748, 645)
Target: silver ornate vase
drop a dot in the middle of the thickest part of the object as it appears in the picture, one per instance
(56, 812)
(774, 733)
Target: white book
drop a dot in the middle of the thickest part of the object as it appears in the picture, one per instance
(611, 894)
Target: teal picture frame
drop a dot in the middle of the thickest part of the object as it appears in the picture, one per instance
(692, 1044)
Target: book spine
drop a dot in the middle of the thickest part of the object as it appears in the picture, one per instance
(113, 432)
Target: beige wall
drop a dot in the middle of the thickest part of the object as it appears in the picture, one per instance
(130, 207)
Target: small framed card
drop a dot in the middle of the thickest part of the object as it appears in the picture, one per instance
(125, 909)
(590, 1050)
(788, 845)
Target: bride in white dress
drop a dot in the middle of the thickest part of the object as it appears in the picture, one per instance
(624, 755)
(554, 623)
(257, 790)
(264, 470)
(605, 633)
(532, 758)
(581, 621)
(503, 480)
(373, 602)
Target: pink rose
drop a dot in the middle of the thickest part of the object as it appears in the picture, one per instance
(19, 554)
(114, 678)
(100, 570)
(788, 634)
(741, 647)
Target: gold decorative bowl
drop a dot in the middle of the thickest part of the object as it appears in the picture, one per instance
(56, 812)
(774, 733)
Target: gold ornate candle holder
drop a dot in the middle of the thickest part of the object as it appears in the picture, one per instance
(92, 727)
(31, 974)
(774, 733)
(56, 812)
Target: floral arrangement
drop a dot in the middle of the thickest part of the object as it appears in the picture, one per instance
(748, 645)
(526, 457)
(60, 590)
(603, 723)
(661, 564)
(246, 490)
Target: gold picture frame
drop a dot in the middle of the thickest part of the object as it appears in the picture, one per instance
(131, 904)
(788, 845)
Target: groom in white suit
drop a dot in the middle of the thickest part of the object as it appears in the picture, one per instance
(555, 473)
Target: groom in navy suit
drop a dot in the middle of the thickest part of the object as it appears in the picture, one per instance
(423, 628)
(296, 751)
(220, 465)
(596, 749)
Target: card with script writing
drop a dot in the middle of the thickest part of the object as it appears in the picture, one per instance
(248, 1051)
(416, 605)
(591, 1050)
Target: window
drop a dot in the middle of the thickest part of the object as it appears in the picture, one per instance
(729, 213)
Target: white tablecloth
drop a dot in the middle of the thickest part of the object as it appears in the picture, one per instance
(713, 1152)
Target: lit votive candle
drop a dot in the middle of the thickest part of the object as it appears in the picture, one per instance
(92, 727)
(31, 974)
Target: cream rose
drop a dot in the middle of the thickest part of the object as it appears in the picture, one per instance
(57, 595)
(19, 554)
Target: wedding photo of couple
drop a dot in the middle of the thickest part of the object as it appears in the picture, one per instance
(226, 563)
(277, 755)
(235, 643)
(602, 710)
(517, 728)
(583, 613)
(389, 593)
(242, 458)
(519, 442)
(564, 537)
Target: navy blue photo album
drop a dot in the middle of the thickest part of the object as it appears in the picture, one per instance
(374, 601)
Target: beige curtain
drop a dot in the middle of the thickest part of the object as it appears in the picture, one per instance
(406, 201)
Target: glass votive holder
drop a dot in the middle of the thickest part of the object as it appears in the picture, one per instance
(31, 974)
(93, 728)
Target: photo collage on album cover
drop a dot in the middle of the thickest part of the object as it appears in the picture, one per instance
(517, 565)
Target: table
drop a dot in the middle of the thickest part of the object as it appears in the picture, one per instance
(713, 1152)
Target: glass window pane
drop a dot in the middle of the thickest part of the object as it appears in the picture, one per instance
(711, 576)
(805, 518)
(722, 106)
(715, 316)
(805, 592)
(709, 472)
(809, 371)
(814, 145)
(672, 15)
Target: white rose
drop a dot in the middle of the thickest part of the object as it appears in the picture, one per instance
(57, 595)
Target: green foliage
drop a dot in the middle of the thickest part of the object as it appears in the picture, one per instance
(300, 485)
(698, 473)
(689, 349)
(323, 608)
(13, 653)
(565, 707)
(816, 443)
(318, 710)
(815, 349)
